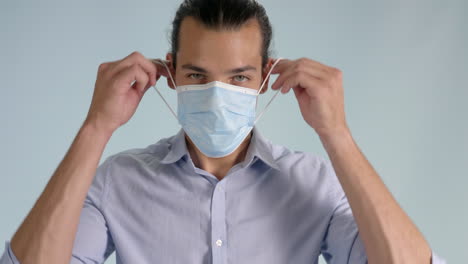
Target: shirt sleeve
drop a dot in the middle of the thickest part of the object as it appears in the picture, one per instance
(93, 242)
(8, 257)
(342, 242)
(435, 259)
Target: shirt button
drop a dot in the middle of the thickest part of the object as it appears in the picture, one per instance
(219, 242)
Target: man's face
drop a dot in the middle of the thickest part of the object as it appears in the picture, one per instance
(230, 56)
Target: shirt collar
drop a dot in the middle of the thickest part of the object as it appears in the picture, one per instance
(259, 148)
(177, 148)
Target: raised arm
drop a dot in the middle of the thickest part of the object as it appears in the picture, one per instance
(388, 233)
(48, 232)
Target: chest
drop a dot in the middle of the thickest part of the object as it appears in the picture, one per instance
(206, 223)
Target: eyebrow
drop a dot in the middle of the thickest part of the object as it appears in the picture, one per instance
(232, 71)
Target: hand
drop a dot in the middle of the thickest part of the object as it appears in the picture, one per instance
(319, 92)
(119, 87)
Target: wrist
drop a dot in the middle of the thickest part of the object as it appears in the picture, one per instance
(336, 138)
(337, 131)
(95, 129)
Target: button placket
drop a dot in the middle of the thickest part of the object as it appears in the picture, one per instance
(218, 224)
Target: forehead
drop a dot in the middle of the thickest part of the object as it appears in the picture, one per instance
(219, 47)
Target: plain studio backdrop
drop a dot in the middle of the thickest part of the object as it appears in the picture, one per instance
(404, 66)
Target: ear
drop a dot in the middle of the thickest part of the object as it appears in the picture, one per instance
(170, 65)
(265, 71)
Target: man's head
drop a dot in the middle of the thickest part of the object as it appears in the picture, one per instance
(222, 40)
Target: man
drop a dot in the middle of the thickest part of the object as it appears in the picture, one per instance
(201, 196)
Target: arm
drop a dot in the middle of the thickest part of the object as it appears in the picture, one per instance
(388, 234)
(48, 232)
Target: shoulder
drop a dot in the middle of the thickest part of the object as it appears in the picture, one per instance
(143, 155)
(288, 159)
(132, 161)
(128, 162)
(313, 173)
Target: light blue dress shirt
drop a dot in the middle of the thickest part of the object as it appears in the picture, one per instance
(278, 206)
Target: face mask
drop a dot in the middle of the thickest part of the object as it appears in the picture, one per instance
(217, 116)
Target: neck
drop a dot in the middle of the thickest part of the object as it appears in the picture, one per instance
(219, 167)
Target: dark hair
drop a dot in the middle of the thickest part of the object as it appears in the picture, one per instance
(223, 14)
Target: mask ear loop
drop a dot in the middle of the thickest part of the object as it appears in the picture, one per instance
(172, 80)
(261, 87)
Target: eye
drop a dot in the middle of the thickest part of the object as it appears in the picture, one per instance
(196, 76)
(240, 78)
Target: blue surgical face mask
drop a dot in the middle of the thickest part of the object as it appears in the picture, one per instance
(217, 116)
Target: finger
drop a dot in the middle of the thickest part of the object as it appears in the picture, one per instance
(119, 65)
(302, 80)
(161, 69)
(292, 80)
(281, 66)
(279, 82)
(137, 58)
(320, 70)
(134, 73)
(148, 67)
(284, 69)
(310, 69)
(314, 62)
(142, 80)
(281, 78)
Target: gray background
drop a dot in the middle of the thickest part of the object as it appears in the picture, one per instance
(404, 65)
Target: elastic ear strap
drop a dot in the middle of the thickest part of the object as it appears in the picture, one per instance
(168, 106)
(160, 95)
(168, 72)
(268, 75)
(261, 87)
(266, 106)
